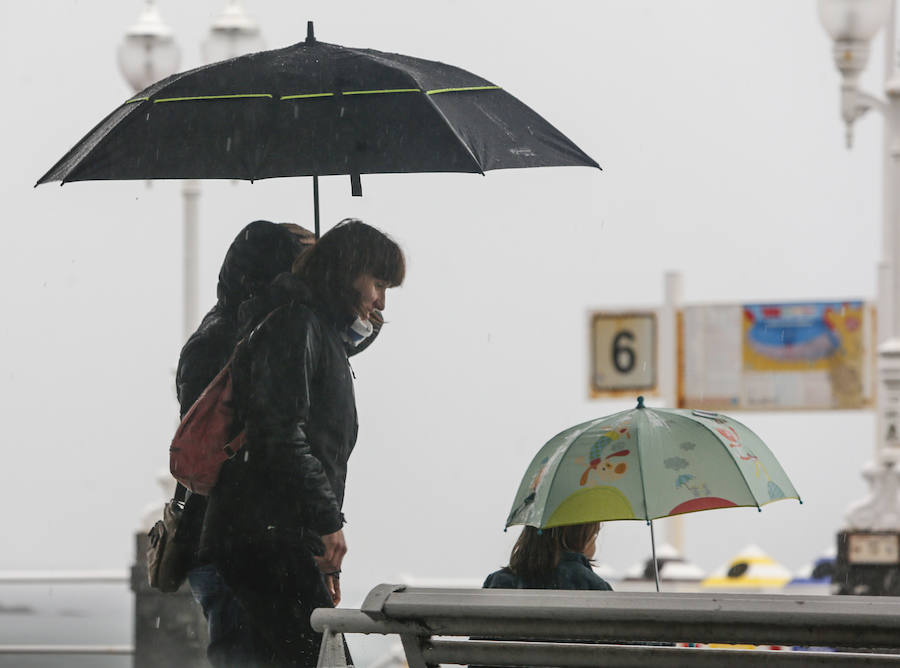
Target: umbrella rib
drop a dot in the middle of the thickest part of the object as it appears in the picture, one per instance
(543, 519)
(398, 68)
(725, 446)
(637, 446)
(552, 478)
(456, 134)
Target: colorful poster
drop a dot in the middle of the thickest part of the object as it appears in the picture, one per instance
(777, 356)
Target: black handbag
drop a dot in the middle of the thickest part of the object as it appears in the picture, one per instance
(170, 551)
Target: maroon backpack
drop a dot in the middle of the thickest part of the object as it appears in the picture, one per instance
(203, 440)
(205, 437)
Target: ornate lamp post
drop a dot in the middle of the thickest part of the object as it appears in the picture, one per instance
(869, 548)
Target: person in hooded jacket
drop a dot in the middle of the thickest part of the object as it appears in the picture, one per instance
(259, 252)
(273, 525)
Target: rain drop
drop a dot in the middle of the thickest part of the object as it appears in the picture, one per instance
(228, 145)
(157, 622)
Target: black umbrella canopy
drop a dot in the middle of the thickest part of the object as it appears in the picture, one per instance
(316, 109)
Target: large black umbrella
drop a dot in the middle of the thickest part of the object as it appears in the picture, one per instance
(314, 109)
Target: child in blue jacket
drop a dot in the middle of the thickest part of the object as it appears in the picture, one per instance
(557, 558)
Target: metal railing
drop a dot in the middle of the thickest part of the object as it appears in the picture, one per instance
(111, 650)
(80, 577)
(581, 628)
(111, 576)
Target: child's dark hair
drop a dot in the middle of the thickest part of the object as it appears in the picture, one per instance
(346, 251)
(536, 553)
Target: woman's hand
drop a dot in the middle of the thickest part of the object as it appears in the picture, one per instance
(330, 562)
(335, 549)
(333, 583)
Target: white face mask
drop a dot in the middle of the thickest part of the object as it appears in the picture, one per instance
(359, 331)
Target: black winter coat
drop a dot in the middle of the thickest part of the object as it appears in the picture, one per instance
(294, 396)
(259, 252)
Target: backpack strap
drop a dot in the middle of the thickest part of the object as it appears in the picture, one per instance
(180, 494)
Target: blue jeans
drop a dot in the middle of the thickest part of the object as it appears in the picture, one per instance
(231, 643)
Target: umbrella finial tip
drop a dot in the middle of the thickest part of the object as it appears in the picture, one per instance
(640, 402)
(310, 33)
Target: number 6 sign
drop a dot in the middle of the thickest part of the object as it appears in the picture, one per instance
(623, 353)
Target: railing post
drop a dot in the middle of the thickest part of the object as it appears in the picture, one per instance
(412, 647)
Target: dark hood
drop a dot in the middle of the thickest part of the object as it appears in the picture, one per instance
(260, 252)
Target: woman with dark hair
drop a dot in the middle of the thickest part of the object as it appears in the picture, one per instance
(273, 526)
(259, 252)
(557, 558)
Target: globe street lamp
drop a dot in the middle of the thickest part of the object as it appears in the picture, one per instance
(869, 549)
(851, 24)
(149, 52)
(232, 34)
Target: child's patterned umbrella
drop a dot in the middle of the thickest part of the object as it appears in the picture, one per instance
(647, 463)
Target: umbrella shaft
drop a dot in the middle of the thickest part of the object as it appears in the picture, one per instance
(653, 550)
(316, 202)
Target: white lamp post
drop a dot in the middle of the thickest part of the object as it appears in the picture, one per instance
(852, 24)
(148, 54)
(232, 34)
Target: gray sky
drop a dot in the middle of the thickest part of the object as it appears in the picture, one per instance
(717, 127)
